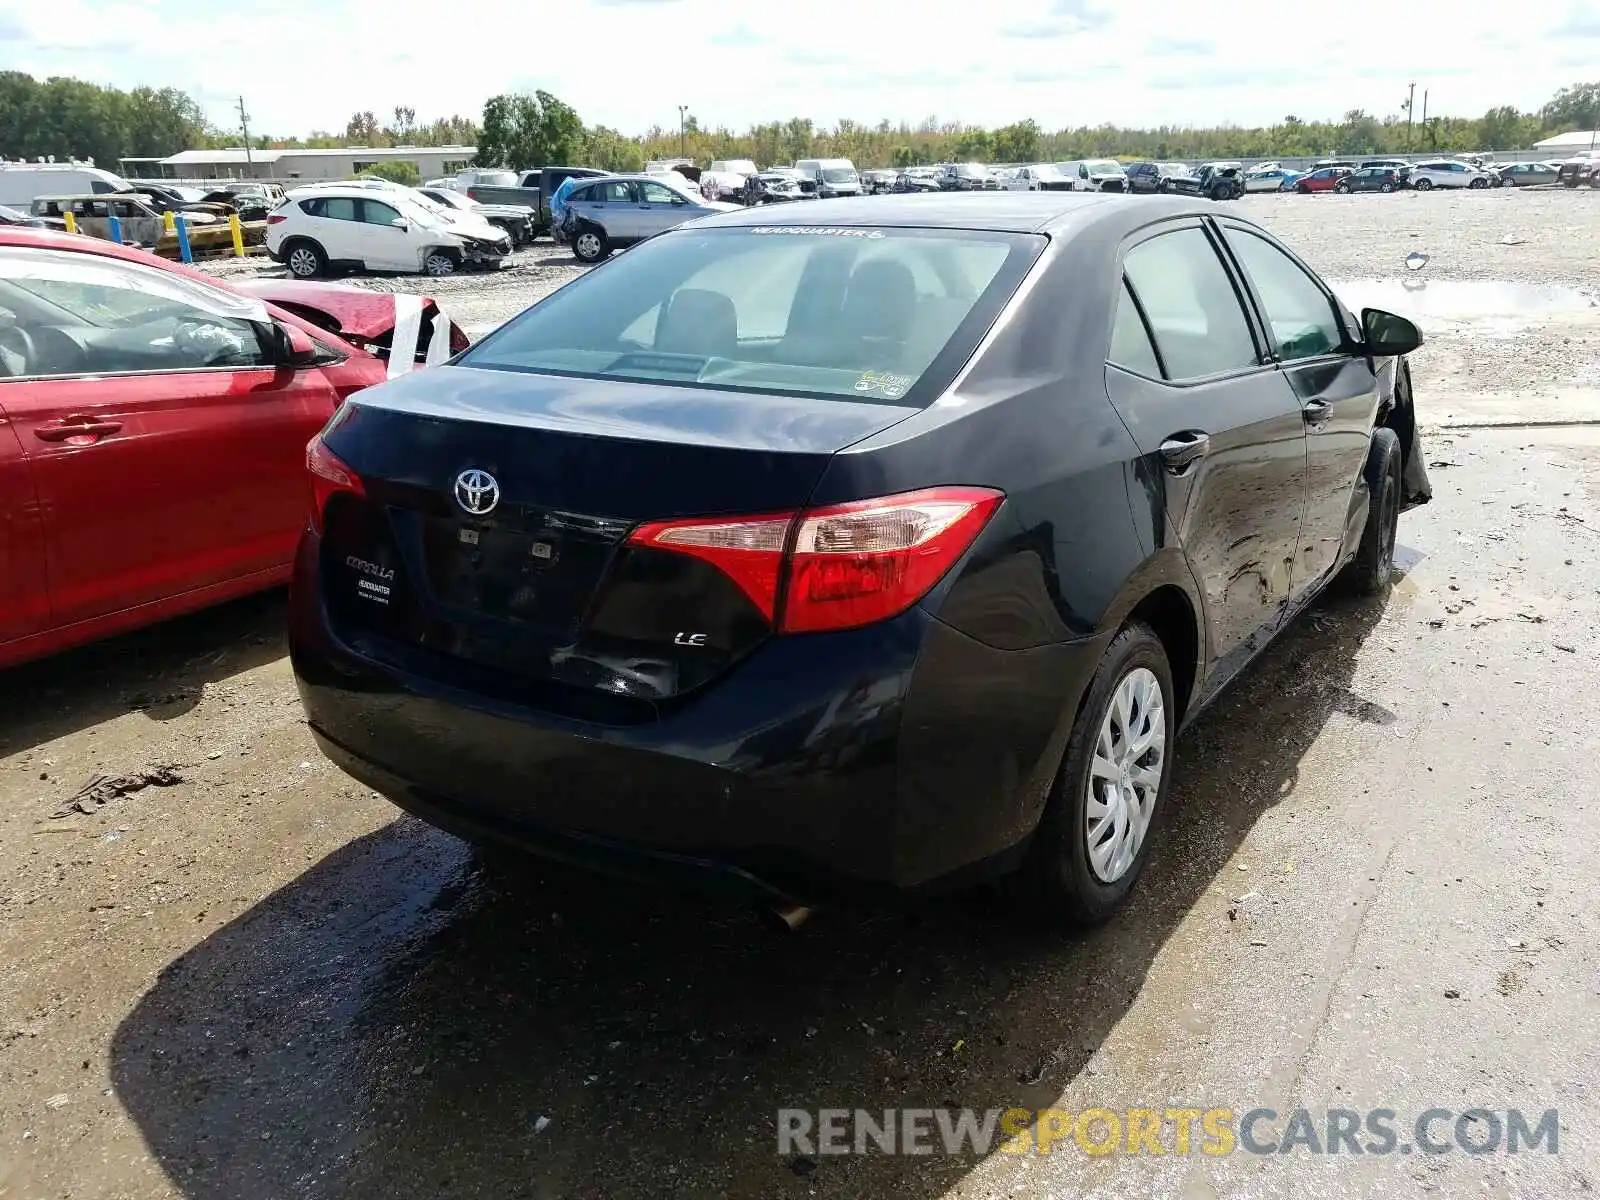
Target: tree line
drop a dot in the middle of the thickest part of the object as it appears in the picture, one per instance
(64, 118)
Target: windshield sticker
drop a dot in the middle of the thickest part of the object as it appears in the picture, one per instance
(820, 231)
(884, 384)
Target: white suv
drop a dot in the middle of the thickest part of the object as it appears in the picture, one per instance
(1447, 172)
(374, 229)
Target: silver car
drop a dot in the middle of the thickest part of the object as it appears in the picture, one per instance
(619, 210)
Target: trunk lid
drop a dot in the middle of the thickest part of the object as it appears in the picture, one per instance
(490, 546)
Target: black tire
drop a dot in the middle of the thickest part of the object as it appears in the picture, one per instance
(1303, 189)
(1056, 878)
(1371, 572)
(590, 244)
(1478, 183)
(1342, 188)
(305, 259)
(1424, 185)
(1386, 187)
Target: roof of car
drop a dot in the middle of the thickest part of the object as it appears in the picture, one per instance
(1004, 212)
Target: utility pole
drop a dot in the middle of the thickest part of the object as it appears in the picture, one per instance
(1425, 112)
(1411, 99)
(244, 127)
(683, 112)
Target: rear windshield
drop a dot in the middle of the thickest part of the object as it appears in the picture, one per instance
(862, 314)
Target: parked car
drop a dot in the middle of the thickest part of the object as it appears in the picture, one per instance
(529, 189)
(1095, 175)
(836, 583)
(777, 187)
(878, 182)
(620, 210)
(833, 176)
(1271, 179)
(319, 229)
(724, 178)
(140, 222)
(21, 183)
(516, 220)
(1370, 179)
(1581, 168)
(1152, 178)
(917, 179)
(152, 460)
(1220, 180)
(11, 216)
(966, 177)
(1448, 173)
(1038, 177)
(1323, 179)
(1528, 174)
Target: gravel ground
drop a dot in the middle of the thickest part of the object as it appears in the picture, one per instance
(1375, 887)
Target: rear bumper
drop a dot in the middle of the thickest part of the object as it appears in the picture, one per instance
(881, 761)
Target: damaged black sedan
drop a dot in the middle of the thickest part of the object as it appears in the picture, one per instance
(901, 566)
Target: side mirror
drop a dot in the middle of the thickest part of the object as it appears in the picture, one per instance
(1387, 334)
(295, 349)
(400, 223)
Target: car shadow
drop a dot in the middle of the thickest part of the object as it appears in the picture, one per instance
(161, 670)
(402, 1020)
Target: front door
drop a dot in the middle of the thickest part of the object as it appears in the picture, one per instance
(386, 246)
(1220, 428)
(1335, 386)
(167, 450)
(660, 209)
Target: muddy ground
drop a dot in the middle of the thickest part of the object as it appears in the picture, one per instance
(1374, 889)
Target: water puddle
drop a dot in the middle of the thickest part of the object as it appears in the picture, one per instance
(1466, 299)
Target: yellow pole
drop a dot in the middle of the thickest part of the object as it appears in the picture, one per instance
(238, 234)
(72, 222)
(171, 221)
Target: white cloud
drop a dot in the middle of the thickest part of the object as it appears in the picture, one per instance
(304, 64)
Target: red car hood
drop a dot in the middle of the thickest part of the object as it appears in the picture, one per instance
(360, 313)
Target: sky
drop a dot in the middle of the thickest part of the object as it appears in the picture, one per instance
(309, 64)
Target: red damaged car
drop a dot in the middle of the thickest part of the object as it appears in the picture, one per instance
(153, 429)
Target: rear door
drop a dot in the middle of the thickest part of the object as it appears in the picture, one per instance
(1220, 425)
(335, 224)
(1306, 334)
(166, 450)
(24, 594)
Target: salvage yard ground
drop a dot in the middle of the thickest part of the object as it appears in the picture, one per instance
(1376, 888)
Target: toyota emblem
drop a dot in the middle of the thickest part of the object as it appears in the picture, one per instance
(477, 492)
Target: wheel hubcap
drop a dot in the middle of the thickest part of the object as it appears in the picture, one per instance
(1125, 774)
(301, 262)
(589, 245)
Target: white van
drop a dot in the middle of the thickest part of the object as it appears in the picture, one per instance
(1094, 174)
(833, 176)
(21, 183)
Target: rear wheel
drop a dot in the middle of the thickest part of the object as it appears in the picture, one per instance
(1094, 837)
(1424, 185)
(1372, 569)
(305, 260)
(590, 245)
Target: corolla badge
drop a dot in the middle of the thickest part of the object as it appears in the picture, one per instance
(477, 492)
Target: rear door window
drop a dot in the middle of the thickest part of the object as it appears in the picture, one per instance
(1131, 348)
(1194, 312)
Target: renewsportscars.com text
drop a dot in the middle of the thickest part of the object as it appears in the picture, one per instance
(1156, 1131)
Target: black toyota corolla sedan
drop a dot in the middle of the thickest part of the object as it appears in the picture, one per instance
(859, 554)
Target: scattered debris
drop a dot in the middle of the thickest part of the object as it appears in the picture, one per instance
(59, 1100)
(541, 1124)
(102, 789)
(1567, 648)
(1452, 994)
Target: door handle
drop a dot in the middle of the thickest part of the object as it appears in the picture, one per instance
(1182, 450)
(1317, 412)
(74, 427)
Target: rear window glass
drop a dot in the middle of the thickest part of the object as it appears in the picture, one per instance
(864, 314)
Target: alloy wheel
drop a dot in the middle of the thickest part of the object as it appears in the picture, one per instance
(439, 264)
(587, 245)
(302, 262)
(1124, 780)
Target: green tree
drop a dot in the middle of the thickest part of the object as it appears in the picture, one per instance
(1017, 143)
(523, 131)
(1574, 107)
(611, 151)
(395, 171)
(1505, 128)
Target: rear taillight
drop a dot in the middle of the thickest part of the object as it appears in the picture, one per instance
(838, 567)
(329, 477)
(274, 218)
